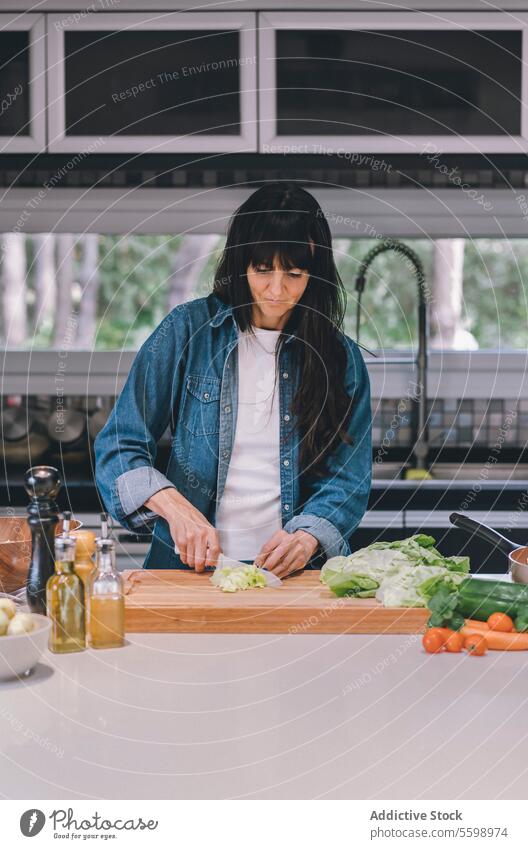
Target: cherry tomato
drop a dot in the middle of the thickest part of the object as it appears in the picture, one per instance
(432, 641)
(443, 633)
(476, 644)
(500, 622)
(454, 642)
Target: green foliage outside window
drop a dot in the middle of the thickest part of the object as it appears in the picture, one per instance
(134, 284)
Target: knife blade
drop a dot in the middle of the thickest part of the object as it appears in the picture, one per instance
(271, 579)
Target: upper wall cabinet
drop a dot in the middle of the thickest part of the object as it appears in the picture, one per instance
(152, 82)
(22, 84)
(393, 82)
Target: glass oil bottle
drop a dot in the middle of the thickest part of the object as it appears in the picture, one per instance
(85, 568)
(107, 599)
(84, 552)
(65, 597)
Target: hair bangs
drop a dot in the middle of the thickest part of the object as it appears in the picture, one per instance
(285, 236)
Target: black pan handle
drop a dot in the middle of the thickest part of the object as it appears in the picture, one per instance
(460, 520)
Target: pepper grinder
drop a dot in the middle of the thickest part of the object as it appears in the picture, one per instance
(42, 484)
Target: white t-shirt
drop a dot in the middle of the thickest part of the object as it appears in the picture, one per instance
(249, 512)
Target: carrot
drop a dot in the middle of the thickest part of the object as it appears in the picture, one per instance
(496, 640)
(477, 625)
(483, 626)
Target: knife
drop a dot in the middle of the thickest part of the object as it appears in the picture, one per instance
(271, 579)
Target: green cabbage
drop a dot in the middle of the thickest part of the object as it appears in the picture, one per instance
(413, 586)
(403, 573)
(232, 578)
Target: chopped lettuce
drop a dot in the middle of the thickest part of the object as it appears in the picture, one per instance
(403, 573)
(230, 578)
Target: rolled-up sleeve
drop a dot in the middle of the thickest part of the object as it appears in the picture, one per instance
(125, 449)
(337, 502)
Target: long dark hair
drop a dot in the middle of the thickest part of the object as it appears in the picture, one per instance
(280, 220)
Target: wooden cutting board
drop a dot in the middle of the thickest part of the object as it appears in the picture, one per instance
(177, 601)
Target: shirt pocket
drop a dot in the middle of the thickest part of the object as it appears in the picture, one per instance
(201, 407)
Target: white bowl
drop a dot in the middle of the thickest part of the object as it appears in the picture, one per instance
(20, 653)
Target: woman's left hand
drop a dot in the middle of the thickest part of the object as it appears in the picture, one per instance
(285, 553)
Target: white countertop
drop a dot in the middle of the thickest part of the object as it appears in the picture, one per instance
(277, 716)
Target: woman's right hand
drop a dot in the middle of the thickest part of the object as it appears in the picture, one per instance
(196, 539)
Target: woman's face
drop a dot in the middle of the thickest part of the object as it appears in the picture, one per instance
(275, 291)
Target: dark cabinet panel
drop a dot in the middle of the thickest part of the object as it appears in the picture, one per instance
(152, 83)
(398, 82)
(14, 83)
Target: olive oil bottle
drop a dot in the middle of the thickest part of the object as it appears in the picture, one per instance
(65, 598)
(84, 552)
(85, 568)
(107, 599)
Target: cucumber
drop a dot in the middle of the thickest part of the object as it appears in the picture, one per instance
(478, 599)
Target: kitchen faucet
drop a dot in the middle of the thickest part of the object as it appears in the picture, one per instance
(421, 442)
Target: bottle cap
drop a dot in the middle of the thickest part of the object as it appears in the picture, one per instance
(66, 522)
(85, 542)
(104, 544)
(65, 547)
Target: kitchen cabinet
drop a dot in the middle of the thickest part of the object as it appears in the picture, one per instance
(22, 83)
(152, 83)
(396, 82)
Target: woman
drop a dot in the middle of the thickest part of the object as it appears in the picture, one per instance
(267, 400)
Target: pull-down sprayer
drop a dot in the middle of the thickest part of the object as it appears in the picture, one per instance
(421, 442)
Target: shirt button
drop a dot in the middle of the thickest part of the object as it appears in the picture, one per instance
(286, 418)
(206, 395)
(225, 454)
(286, 462)
(285, 375)
(286, 506)
(227, 409)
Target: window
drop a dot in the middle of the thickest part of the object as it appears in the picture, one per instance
(476, 291)
(108, 292)
(97, 292)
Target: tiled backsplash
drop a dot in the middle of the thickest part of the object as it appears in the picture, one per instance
(464, 422)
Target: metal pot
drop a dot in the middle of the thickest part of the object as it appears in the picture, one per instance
(67, 429)
(24, 438)
(97, 421)
(517, 554)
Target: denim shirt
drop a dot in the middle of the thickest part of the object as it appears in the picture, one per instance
(185, 377)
